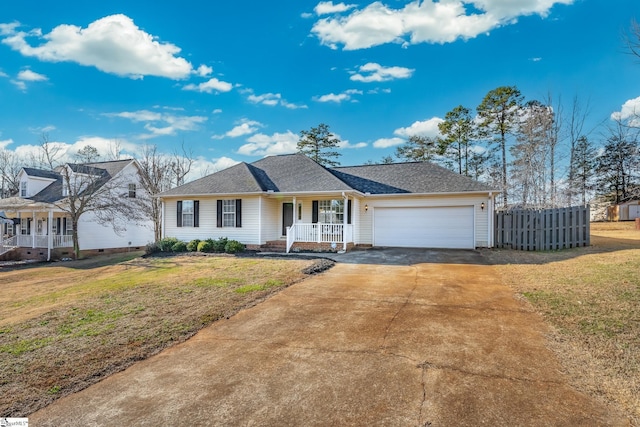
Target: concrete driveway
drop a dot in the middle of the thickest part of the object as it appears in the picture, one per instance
(388, 338)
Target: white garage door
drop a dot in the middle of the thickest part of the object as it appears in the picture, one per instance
(433, 227)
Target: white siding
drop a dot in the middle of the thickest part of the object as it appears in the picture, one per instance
(271, 219)
(247, 234)
(93, 235)
(481, 216)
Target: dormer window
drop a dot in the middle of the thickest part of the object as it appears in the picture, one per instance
(65, 190)
(23, 189)
(132, 191)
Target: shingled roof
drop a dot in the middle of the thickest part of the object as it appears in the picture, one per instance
(53, 192)
(296, 173)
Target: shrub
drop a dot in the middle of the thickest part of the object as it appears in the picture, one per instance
(233, 246)
(220, 244)
(151, 248)
(166, 244)
(205, 246)
(192, 246)
(179, 247)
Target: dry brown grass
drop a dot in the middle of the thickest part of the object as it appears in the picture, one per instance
(65, 326)
(591, 296)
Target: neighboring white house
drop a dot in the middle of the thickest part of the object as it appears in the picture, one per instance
(292, 198)
(40, 227)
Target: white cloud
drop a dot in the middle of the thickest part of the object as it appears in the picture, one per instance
(388, 142)
(210, 86)
(204, 70)
(346, 145)
(421, 128)
(372, 72)
(536, 59)
(424, 21)
(217, 111)
(272, 100)
(327, 7)
(3, 74)
(202, 167)
(630, 109)
(30, 76)
(244, 127)
(68, 151)
(264, 145)
(340, 97)
(20, 84)
(5, 142)
(160, 124)
(113, 44)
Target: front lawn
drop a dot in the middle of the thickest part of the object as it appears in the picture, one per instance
(591, 297)
(65, 326)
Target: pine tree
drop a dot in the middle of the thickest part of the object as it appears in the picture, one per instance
(318, 143)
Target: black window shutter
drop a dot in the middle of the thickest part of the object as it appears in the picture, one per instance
(58, 231)
(348, 211)
(314, 211)
(196, 213)
(239, 213)
(64, 224)
(179, 213)
(218, 213)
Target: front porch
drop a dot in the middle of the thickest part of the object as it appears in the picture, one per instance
(334, 237)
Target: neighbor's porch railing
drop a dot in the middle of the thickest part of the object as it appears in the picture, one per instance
(319, 233)
(7, 244)
(39, 241)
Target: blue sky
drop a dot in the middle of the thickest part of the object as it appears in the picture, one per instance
(236, 81)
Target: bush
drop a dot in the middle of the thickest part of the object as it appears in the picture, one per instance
(179, 247)
(220, 244)
(166, 244)
(192, 246)
(151, 248)
(233, 246)
(205, 246)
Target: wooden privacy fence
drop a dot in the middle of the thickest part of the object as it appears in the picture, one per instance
(540, 230)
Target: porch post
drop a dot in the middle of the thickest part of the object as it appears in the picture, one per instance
(33, 229)
(295, 210)
(49, 235)
(345, 213)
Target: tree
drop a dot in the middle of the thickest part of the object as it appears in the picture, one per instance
(318, 143)
(10, 166)
(457, 131)
(88, 154)
(181, 164)
(633, 38)
(499, 116)
(617, 167)
(91, 189)
(584, 163)
(155, 176)
(49, 155)
(531, 164)
(575, 125)
(418, 149)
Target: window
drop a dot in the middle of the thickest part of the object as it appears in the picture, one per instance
(65, 189)
(331, 211)
(54, 226)
(132, 191)
(69, 229)
(299, 211)
(39, 227)
(229, 213)
(187, 213)
(23, 189)
(24, 226)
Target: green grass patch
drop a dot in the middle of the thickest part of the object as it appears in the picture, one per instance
(215, 282)
(258, 286)
(20, 347)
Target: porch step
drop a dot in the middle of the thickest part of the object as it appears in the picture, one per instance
(274, 246)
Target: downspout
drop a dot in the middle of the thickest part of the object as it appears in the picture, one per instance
(490, 218)
(33, 229)
(260, 221)
(162, 216)
(345, 213)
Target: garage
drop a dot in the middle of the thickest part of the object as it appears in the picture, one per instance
(424, 227)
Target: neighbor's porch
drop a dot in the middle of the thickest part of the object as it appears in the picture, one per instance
(35, 229)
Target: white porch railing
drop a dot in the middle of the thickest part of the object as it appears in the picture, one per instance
(39, 241)
(318, 233)
(7, 244)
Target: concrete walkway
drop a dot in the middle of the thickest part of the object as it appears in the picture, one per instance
(411, 342)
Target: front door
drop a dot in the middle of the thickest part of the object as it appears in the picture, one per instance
(287, 217)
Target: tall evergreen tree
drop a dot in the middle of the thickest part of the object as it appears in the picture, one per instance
(319, 144)
(457, 131)
(418, 149)
(499, 113)
(617, 168)
(584, 158)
